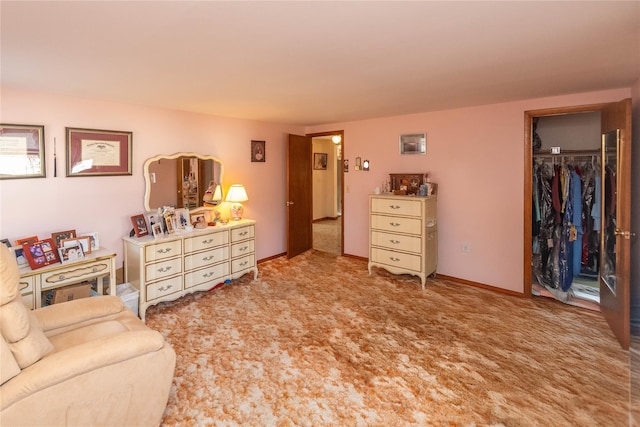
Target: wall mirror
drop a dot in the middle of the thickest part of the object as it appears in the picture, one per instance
(183, 180)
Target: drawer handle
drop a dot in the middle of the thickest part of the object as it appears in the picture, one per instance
(394, 224)
(162, 289)
(94, 269)
(164, 251)
(394, 206)
(395, 242)
(206, 242)
(244, 248)
(164, 269)
(394, 259)
(208, 258)
(242, 264)
(61, 277)
(243, 233)
(209, 274)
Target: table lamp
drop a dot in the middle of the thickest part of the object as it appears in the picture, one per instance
(236, 195)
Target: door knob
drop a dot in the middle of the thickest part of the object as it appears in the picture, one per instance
(289, 203)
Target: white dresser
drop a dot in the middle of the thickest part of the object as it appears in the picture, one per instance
(169, 267)
(403, 234)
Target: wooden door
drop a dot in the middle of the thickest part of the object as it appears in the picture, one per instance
(616, 236)
(299, 196)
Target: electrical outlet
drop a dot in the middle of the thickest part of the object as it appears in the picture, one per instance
(466, 247)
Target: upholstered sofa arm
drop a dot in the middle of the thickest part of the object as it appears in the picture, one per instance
(69, 313)
(78, 360)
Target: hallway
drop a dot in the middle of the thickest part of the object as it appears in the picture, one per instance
(326, 235)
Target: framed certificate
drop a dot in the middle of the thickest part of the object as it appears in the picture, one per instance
(93, 152)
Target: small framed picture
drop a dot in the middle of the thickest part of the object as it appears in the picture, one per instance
(199, 220)
(6, 242)
(18, 252)
(258, 153)
(182, 218)
(320, 161)
(152, 219)
(413, 143)
(93, 238)
(59, 236)
(156, 229)
(84, 241)
(20, 242)
(170, 222)
(71, 253)
(139, 225)
(41, 253)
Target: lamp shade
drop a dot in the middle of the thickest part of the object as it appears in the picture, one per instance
(217, 194)
(237, 194)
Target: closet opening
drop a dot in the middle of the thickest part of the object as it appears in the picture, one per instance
(566, 208)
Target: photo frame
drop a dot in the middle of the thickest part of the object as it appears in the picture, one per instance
(59, 236)
(199, 219)
(140, 225)
(413, 143)
(258, 151)
(93, 152)
(320, 161)
(93, 238)
(41, 253)
(18, 252)
(181, 218)
(6, 242)
(170, 222)
(22, 151)
(71, 253)
(156, 229)
(20, 242)
(83, 241)
(406, 183)
(152, 219)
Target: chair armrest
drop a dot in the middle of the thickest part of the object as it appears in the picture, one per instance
(72, 312)
(78, 360)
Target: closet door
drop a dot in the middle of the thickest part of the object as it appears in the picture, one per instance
(616, 217)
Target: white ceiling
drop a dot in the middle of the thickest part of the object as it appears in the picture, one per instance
(309, 63)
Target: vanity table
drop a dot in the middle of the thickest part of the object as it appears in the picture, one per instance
(167, 267)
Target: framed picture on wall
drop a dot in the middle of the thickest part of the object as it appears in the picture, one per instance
(320, 161)
(258, 151)
(92, 152)
(22, 151)
(413, 143)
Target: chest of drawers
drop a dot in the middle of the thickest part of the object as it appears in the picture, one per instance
(403, 235)
(167, 268)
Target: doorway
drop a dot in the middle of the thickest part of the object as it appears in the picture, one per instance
(614, 302)
(327, 207)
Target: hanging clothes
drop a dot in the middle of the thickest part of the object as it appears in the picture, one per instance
(565, 233)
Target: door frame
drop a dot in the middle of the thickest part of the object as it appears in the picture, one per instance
(342, 204)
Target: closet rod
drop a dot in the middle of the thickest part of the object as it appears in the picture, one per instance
(595, 152)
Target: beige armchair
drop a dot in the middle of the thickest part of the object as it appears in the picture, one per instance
(85, 362)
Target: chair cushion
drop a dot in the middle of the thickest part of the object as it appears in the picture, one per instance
(8, 366)
(19, 327)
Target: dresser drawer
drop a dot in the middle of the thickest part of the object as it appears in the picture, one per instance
(242, 248)
(243, 263)
(202, 259)
(205, 241)
(74, 274)
(396, 224)
(204, 275)
(26, 285)
(399, 242)
(161, 269)
(159, 251)
(242, 233)
(397, 259)
(396, 207)
(164, 287)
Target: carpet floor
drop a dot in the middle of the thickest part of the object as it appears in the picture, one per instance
(317, 341)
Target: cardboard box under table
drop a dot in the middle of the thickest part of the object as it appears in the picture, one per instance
(69, 293)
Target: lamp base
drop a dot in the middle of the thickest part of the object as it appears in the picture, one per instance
(237, 210)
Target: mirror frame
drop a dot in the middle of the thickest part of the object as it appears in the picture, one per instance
(147, 178)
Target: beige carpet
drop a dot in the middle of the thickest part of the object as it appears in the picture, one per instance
(326, 235)
(316, 341)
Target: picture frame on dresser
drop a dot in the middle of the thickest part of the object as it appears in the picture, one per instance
(18, 252)
(140, 225)
(30, 239)
(41, 253)
(71, 253)
(405, 183)
(59, 236)
(83, 241)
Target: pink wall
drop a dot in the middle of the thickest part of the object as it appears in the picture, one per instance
(105, 204)
(476, 155)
